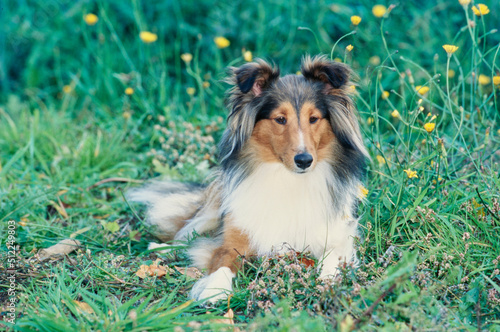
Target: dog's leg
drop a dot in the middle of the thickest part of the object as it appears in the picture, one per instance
(330, 264)
(343, 252)
(222, 267)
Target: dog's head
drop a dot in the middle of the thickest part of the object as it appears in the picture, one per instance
(297, 120)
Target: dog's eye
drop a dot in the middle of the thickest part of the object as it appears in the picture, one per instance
(281, 120)
(313, 119)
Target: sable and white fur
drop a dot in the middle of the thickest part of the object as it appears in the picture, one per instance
(291, 164)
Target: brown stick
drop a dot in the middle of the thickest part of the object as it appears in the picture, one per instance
(369, 311)
(486, 206)
(113, 180)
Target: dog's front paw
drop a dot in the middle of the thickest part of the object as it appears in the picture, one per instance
(329, 273)
(214, 287)
(328, 276)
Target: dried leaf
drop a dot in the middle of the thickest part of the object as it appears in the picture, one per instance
(101, 217)
(60, 208)
(307, 261)
(83, 308)
(53, 208)
(228, 319)
(304, 260)
(64, 247)
(191, 272)
(229, 315)
(157, 270)
(62, 192)
(151, 270)
(80, 231)
(143, 271)
(179, 308)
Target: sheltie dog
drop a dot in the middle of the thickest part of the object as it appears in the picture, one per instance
(291, 164)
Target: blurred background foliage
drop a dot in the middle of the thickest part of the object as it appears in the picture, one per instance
(47, 45)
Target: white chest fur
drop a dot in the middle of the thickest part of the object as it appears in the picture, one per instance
(275, 206)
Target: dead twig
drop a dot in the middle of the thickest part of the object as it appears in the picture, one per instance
(369, 311)
(117, 179)
(486, 206)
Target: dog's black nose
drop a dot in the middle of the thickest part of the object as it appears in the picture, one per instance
(303, 160)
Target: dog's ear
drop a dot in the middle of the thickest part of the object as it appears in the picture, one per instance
(341, 109)
(248, 83)
(254, 77)
(334, 75)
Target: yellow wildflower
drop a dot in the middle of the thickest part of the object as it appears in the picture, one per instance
(126, 115)
(187, 57)
(206, 84)
(353, 88)
(129, 91)
(148, 37)
(450, 49)
(363, 192)
(355, 19)
(410, 173)
(429, 127)
(484, 80)
(380, 159)
(385, 94)
(395, 114)
(67, 89)
(91, 19)
(464, 2)
(496, 80)
(247, 56)
(298, 72)
(191, 91)
(221, 42)
(379, 10)
(349, 48)
(451, 73)
(422, 89)
(337, 60)
(370, 120)
(481, 9)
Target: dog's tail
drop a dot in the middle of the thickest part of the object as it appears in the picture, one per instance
(176, 209)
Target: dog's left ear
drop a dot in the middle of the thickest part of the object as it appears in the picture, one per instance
(341, 109)
(333, 74)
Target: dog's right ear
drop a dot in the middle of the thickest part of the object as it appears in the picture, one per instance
(248, 83)
(253, 77)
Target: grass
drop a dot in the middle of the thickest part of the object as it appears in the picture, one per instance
(429, 244)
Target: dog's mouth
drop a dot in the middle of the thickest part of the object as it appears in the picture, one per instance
(302, 171)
